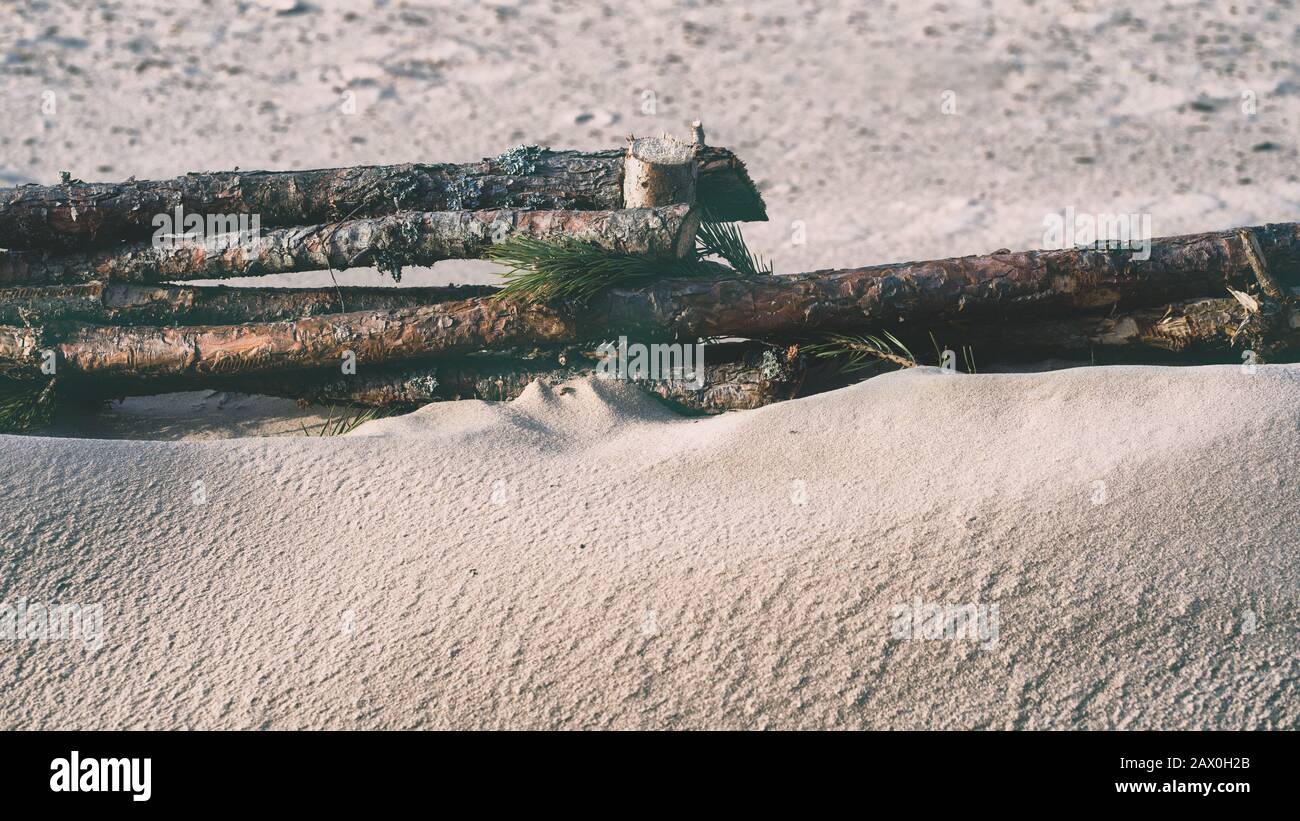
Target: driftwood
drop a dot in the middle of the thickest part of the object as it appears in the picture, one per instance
(122, 303)
(77, 214)
(409, 238)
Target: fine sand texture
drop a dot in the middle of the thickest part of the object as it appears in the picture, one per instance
(583, 558)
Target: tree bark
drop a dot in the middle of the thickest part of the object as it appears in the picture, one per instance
(1200, 327)
(77, 214)
(1002, 287)
(371, 337)
(409, 238)
(121, 303)
(998, 287)
(737, 377)
(198, 353)
(724, 189)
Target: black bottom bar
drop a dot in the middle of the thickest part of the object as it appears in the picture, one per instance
(634, 770)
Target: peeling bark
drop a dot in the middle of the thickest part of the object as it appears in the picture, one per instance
(409, 238)
(77, 214)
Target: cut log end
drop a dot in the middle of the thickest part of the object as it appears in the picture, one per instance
(658, 171)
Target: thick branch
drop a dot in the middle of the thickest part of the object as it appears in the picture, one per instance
(1201, 327)
(409, 238)
(76, 214)
(320, 342)
(1023, 286)
(737, 377)
(121, 303)
(1011, 286)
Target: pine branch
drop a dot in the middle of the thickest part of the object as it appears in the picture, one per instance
(541, 270)
(25, 405)
(723, 239)
(544, 269)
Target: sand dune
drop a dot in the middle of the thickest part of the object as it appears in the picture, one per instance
(582, 557)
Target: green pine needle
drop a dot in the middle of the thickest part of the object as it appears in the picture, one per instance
(541, 270)
(26, 405)
(347, 422)
(723, 239)
(859, 352)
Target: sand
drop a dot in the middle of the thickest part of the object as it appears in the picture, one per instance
(1123, 538)
(583, 559)
(836, 107)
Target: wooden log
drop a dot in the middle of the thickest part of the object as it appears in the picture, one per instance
(122, 303)
(408, 238)
(737, 377)
(1207, 328)
(198, 353)
(77, 214)
(371, 337)
(724, 188)
(1024, 286)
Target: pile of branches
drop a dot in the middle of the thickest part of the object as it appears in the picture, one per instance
(639, 243)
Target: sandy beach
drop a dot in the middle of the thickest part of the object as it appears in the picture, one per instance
(1117, 546)
(583, 559)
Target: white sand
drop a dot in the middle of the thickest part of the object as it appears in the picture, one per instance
(584, 559)
(641, 570)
